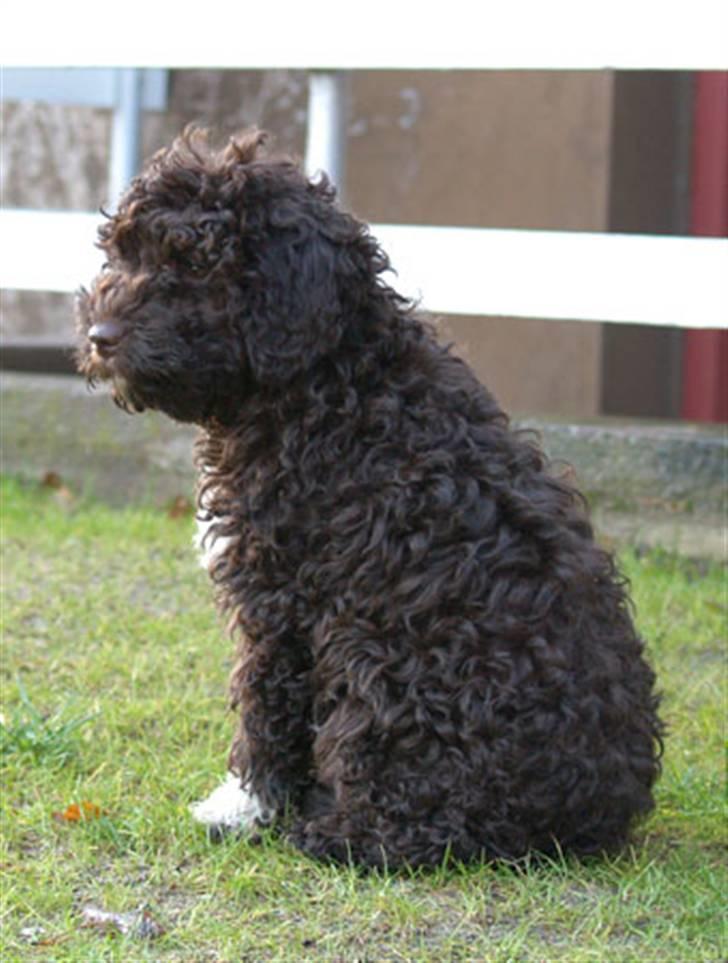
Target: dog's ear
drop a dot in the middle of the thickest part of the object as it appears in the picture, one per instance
(313, 269)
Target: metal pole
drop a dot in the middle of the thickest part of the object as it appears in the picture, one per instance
(326, 135)
(125, 132)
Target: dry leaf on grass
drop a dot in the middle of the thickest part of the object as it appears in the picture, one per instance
(78, 812)
(61, 492)
(51, 479)
(179, 507)
(139, 924)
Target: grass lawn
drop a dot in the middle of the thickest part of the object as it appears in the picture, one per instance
(114, 674)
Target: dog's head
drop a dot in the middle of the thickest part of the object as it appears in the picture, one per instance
(227, 272)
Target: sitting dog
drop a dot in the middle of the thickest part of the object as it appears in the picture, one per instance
(435, 658)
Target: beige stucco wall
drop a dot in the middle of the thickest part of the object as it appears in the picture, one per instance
(499, 149)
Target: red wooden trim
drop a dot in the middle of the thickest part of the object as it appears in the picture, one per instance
(705, 355)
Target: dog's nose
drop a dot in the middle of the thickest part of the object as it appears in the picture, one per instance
(105, 335)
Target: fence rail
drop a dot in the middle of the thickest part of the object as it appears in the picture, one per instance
(546, 274)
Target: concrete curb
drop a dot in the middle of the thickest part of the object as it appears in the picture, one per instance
(648, 483)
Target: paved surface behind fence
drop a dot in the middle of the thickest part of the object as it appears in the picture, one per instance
(648, 483)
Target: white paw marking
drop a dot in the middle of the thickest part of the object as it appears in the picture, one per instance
(230, 807)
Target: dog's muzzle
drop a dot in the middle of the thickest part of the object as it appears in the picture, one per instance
(105, 337)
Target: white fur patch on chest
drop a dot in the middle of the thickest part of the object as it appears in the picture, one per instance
(209, 546)
(230, 808)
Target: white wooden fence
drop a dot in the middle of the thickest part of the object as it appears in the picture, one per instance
(532, 274)
(592, 277)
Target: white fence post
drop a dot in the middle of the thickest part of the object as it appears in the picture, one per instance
(326, 133)
(125, 132)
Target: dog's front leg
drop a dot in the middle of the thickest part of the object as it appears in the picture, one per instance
(270, 758)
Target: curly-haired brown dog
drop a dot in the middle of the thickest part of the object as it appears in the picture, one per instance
(435, 657)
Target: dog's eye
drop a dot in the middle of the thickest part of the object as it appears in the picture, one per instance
(196, 267)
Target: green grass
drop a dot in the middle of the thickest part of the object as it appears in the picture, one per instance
(114, 676)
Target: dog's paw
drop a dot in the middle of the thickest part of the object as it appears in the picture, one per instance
(230, 809)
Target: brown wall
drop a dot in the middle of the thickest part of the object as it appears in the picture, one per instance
(495, 149)
(649, 194)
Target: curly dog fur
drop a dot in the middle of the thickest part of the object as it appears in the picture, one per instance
(434, 655)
